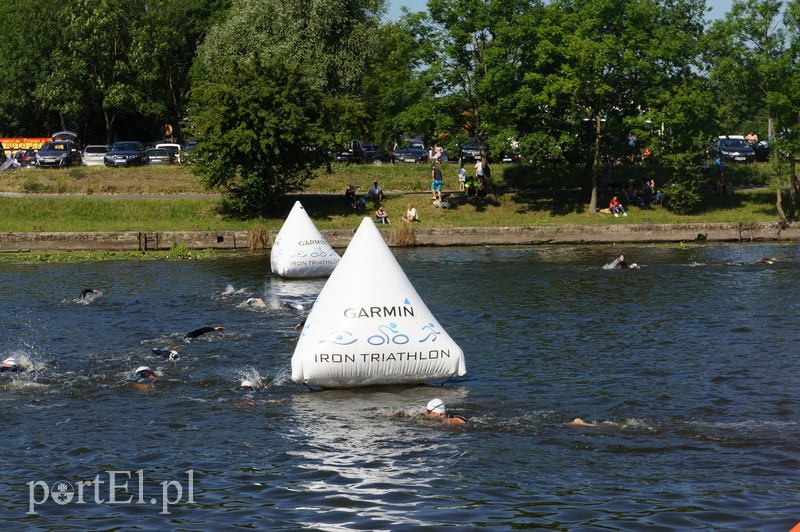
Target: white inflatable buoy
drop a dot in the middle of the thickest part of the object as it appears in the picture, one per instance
(299, 250)
(362, 333)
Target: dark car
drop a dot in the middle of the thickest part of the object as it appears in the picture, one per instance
(58, 154)
(352, 153)
(26, 158)
(762, 150)
(471, 152)
(159, 156)
(410, 151)
(126, 153)
(510, 157)
(374, 155)
(732, 148)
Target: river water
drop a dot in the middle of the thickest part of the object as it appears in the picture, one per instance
(688, 367)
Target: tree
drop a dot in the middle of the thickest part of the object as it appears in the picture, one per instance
(259, 124)
(482, 45)
(608, 59)
(332, 39)
(397, 88)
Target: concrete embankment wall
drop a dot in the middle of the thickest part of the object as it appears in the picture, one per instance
(423, 236)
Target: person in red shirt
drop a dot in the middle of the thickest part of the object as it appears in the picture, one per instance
(616, 207)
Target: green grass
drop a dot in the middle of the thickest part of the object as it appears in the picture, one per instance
(329, 212)
(323, 199)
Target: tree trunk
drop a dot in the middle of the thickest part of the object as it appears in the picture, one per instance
(779, 204)
(793, 188)
(596, 163)
(109, 127)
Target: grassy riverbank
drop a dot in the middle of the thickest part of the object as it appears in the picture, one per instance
(172, 199)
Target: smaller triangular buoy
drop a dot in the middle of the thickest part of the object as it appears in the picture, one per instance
(300, 250)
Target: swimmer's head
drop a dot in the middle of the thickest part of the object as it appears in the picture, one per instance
(9, 364)
(174, 356)
(436, 406)
(90, 293)
(144, 373)
(249, 385)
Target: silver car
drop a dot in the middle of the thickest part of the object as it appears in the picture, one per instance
(93, 155)
(159, 156)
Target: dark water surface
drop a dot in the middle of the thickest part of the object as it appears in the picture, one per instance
(688, 365)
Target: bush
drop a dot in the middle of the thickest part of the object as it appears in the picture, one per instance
(257, 238)
(683, 187)
(402, 234)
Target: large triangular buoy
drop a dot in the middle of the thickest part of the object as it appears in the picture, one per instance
(300, 251)
(369, 325)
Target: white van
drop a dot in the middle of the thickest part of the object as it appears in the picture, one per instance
(174, 150)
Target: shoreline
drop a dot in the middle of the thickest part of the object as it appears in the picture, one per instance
(423, 237)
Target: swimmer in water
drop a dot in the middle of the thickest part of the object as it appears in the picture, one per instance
(579, 422)
(10, 365)
(143, 374)
(255, 302)
(619, 263)
(249, 386)
(89, 294)
(167, 354)
(766, 260)
(295, 306)
(201, 331)
(436, 410)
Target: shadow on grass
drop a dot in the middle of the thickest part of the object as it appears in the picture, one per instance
(556, 202)
(324, 206)
(760, 201)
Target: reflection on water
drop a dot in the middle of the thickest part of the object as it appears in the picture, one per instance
(686, 366)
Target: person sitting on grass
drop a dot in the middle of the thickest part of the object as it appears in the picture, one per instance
(411, 214)
(616, 207)
(350, 196)
(375, 192)
(381, 216)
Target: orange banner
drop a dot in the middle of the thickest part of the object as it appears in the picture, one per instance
(20, 143)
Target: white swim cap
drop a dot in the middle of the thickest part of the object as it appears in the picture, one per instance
(247, 383)
(174, 355)
(10, 361)
(436, 406)
(142, 368)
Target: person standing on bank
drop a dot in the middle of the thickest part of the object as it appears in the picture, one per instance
(436, 184)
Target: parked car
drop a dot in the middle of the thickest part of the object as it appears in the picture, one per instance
(58, 154)
(93, 154)
(26, 158)
(65, 135)
(126, 153)
(374, 154)
(732, 148)
(510, 157)
(174, 150)
(762, 150)
(352, 153)
(159, 156)
(471, 152)
(189, 150)
(410, 151)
